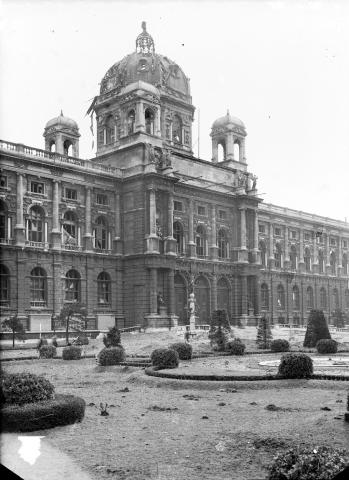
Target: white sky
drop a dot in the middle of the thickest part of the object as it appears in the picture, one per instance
(282, 67)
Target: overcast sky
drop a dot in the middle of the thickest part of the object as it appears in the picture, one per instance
(282, 67)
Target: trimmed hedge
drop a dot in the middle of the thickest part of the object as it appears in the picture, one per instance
(62, 410)
(47, 351)
(184, 350)
(236, 347)
(21, 388)
(279, 345)
(112, 338)
(71, 353)
(327, 346)
(111, 356)
(81, 340)
(164, 358)
(295, 365)
(308, 463)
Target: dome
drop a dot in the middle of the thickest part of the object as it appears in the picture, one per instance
(62, 121)
(147, 66)
(228, 120)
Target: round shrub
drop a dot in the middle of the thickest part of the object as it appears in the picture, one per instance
(112, 338)
(326, 346)
(47, 351)
(20, 388)
(184, 350)
(164, 358)
(308, 463)
(62, 410)
(279, 345)
(71, 353)
(111, 356)
(296, 365)
(236, 347)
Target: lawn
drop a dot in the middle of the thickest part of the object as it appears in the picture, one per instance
(167, 429)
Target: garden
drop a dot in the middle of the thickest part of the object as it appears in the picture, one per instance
(125, 422)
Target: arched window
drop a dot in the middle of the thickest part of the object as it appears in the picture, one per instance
(321, 261)
(200, 240)
(222, 244)
(323, 298)
(52, 146)
(4, 285)
(307, 260)
(221, 156)
(131, 122)
(72, 286)
(264, 296)
(293, 258)
(178, 236)
(149, 121)
(263, 250)
(38, 287)
(333, 263)
(177, 130)
(110, 130)
(310, 298)
(346, 298)
(295, 298)
(4, 234)
(278, 256)
(237, 150)
(36, 224)
(100, 234)
(67, 147)
(70, 228)
(335, 297)
(345, 264)
(280, 299)
(104, 289)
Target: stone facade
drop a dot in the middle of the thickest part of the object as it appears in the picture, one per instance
(145, 219)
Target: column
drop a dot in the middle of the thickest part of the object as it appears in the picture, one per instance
(56, 232)
(170, 242)
(328, 265)
(339, 264)
(257, 256)
(213, 237)
(140, 120)
(153, 291)
(157, 122)
(214, 292)
(214, 151)
(230, 147)
(117, 238)
(242, 150)
(9, 228)
(191, 243)
(243, 228)
(88, 234)
(257, 288)
(271, 245)
(244, 309)
(118, 302)
(287, 253)
(19, 227)
(315, 256)
(152, 240)
(301, 264)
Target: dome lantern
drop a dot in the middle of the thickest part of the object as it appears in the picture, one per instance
(62, 136)
(144, 42)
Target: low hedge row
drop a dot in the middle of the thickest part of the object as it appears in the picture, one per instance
(184, 350)
(71, 353)
(62, 410)
(164, 358)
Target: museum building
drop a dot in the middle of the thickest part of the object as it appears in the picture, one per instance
(146, 220)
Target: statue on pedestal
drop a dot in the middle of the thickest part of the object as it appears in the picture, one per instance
(191, 310)
(161, 303)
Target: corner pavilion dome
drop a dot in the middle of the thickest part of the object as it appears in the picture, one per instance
(228, 120)
(62, 122)
(147, 66)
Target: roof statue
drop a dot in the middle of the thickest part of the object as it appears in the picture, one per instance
(145, 42)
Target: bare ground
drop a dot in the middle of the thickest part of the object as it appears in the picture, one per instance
(158, 430)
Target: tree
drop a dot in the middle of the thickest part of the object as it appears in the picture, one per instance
(70, 311)
(220, 331)
(338, 318)
(15, 325)
(317, 329)
(264, 335)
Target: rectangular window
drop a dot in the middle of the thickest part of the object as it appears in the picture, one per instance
(261, 228)
(3, 181)
(306, 236)
(293, 234)
(345, 244)
(332, 241)
(70, 194)
(101, 137)
(201, 210)
(222, 214)
(278, 232)
(101, 199)
(178, 206)
(37, 187)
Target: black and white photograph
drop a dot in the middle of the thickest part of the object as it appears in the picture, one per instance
(174, 239)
